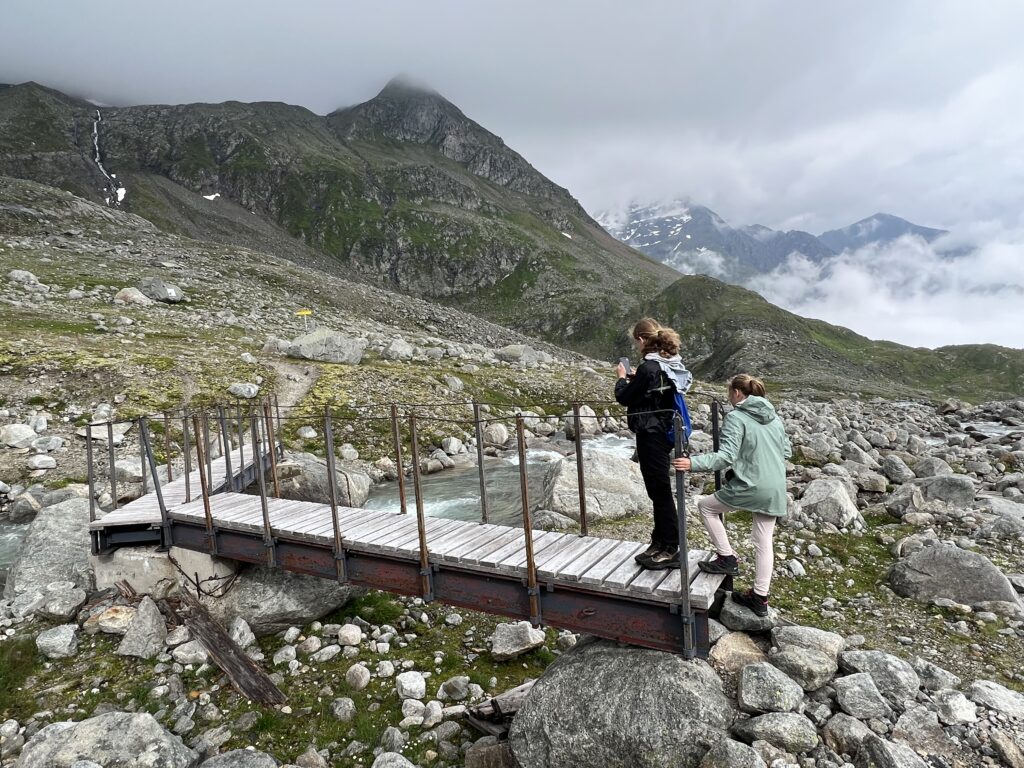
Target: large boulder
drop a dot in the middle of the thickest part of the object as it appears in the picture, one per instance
(764, 688)
(327, 346)
(113, 740)
(876, 752)
(17, 435)
(894, 678)
(945, 570)
(56, 548)
(957, 490)
(272, 600)
(827, 500)
(157, 290)
(303, 477)
(603, 705)
(614, 487)
(146, 634)
(785, 730)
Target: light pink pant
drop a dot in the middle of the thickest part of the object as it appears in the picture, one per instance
(711, 511)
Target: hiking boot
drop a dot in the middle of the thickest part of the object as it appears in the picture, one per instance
(661, 560)
(750, 599)
(721, 564)
(651, 551)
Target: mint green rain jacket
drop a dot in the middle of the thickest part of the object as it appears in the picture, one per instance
(755, 446)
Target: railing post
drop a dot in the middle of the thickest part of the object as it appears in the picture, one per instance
(579, 469)
(89, 473)
(268, 534)
(187, 449)
(426, 576)
(715, 439)
(206, 452)
(211, 534)
(277, 409)
(396, 437)
(684, 547)
(340, 564)
(111, 460)
(229, 476)
(241, 448)
(272, 445)
(167, 445)
(148, 457)
(142, 460)
(484, 512)
(524, 493)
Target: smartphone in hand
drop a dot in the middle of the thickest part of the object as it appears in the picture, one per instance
(624, 362)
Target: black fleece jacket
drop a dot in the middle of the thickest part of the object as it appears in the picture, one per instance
(647, 408)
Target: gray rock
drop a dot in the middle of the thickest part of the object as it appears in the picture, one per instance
(953, 708)
(192, 652)
(58, 643)
(146, 634)
(303, 477)
(995, 696)
(410, 685)
(895, 679)
(56, 548)
(133, 295)
(601, 705)
(518, 353)
(113, 739)
(875, 752)
(808, 637)
(919, 729)
(391, 760)
(63, 599)
(732, 754)
(860, 698)
(343, 709)
(357, 677)
(157, 290)
(272, 600)
(392, 740)
(810, 669)
(546, 520)
(311, 759)
(844, 734)
(512, 639)
(241, 758)
(932, 466)
(785, 730)
(896, 469)
(904, 500)
(17, 435)
(398, 349)
(327, 346)
(244, 390)
(614, 487)
(764, 688)
(495, 433)
(741, 619)
(827, 500)
(933, 677)
(948, 571)
(40, 461)
(957, 490)
(240, 632)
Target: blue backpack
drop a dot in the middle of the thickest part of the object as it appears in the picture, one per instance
(679, 405)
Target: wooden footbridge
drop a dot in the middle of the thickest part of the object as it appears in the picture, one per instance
(572, 581)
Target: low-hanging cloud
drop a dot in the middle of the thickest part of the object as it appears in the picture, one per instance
(947, 292)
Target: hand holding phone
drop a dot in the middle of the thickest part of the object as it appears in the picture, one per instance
(624, 367)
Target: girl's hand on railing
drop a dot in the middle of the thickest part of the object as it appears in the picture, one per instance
(682, 464)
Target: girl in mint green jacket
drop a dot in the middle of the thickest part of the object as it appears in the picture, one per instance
(755, 447)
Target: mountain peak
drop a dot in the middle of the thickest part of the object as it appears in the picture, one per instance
(877, 228)
(405, 85)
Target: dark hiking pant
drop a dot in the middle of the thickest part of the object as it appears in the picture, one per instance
(654, 452)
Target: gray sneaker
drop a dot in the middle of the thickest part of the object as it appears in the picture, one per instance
(651, 551)
(661, 560)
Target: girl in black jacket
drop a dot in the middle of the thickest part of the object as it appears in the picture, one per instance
(649, 397)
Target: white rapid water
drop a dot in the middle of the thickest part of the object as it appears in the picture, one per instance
(115, 190)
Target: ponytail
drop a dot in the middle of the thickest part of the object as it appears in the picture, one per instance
(654, 337)
(747, 385)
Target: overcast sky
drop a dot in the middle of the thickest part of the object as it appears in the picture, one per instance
(789, 113)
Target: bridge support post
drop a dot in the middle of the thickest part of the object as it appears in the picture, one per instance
(579, 469)
(686, 610)
(271, 446)
(142, 460)
(269, 543)
(341, 564)
(148, 457)
(90, 475)
(241, 446)
(524, 492)
(167, 445)
(201, 448)
(484, 512)
(229, 476)
(426, 574)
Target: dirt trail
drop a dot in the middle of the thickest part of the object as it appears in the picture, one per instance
(293, 380)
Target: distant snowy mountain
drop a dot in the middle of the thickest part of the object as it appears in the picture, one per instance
(880, 228)
(696, 240)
